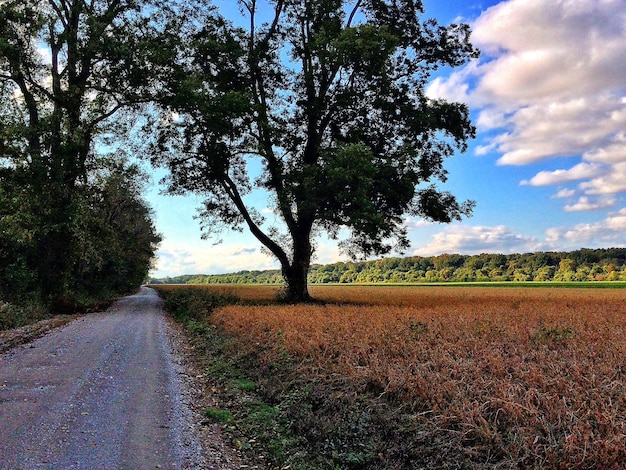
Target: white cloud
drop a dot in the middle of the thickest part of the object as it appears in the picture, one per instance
(477, 239)
(613, 152)
(551, 49)
(607, 232)
(327, 253)
(550, 83)
(456, 87)
(564, 193)
(199, 257)
(413, 223)
(243, 251)
(587, 204)
(610, 183)
(567, 128)
(578, 172)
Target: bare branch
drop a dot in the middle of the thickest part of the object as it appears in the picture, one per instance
(230, 188)
(353, 13)
(62, 14)
(270, 33)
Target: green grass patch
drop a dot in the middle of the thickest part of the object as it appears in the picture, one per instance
(245, 385)
(218, 416)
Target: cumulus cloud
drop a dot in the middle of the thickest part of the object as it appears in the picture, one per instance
(242, 251)
(454, 88)
(177, 258)
(610, 183)
(547, 50)
(578, 172)
(607, 232)
(564, 193)
(327, 253)
(413, 223)
(477, 239)
(550, 83)
(587, 204)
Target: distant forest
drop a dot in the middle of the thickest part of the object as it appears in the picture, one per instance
(603, 264)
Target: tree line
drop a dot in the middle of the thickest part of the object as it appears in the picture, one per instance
(581, 265)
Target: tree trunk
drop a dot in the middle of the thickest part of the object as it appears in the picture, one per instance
(54, 249)
(297, 289)
(296, 272)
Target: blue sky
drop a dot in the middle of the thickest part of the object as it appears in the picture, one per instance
(547, 169)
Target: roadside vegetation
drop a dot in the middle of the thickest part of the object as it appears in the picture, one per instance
(74, 228)
(107, 253)
(402, 377)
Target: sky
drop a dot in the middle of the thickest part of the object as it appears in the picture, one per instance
(547, 169)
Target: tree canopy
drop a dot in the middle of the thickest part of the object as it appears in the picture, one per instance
(68, 69)
(323, 107)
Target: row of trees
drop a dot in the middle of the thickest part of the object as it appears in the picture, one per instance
(74, 228)
(579, 265)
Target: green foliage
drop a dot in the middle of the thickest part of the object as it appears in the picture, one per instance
(193, 305)
(116, 238)
(110, 245)
(330, 98)
(73, 227)
(14, 316)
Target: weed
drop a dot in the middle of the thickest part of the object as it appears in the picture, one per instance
(245, 385)
(417, 329)
(218, 416)
(553, 335)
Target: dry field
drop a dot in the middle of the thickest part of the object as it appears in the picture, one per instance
(513, 377)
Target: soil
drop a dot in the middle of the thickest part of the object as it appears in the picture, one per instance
(11, 338)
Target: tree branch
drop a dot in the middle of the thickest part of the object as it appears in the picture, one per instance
(353, 13)
(230, 188)
(270, 33)
(263, 122)
(60, 13)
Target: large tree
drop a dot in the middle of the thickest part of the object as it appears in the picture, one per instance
(68, 68)
(329, 96)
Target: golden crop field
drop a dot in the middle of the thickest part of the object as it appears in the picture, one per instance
(532, 376)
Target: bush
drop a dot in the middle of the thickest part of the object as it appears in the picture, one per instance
(14, 316)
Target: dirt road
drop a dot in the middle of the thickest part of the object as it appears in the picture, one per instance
(103, 392)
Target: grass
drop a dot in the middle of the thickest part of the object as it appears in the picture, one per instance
(439, 377)
(218, 416)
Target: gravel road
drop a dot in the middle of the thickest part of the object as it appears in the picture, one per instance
(103, 392)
